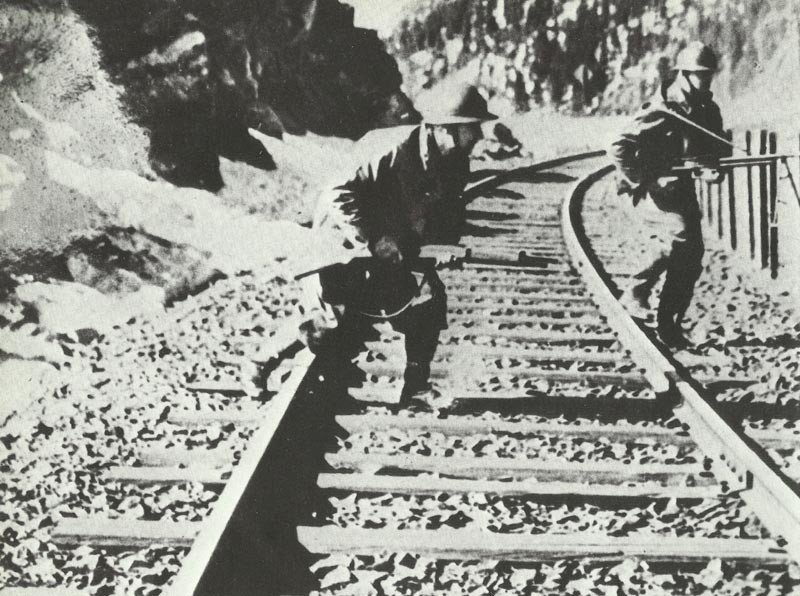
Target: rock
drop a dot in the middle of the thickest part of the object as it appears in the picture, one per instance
(64, 307)
(185, 216)
(23, 381)
(104, 280)
(124, 259)
(11, 177)
(29, 347)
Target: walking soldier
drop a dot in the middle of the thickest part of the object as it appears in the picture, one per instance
(645, 154)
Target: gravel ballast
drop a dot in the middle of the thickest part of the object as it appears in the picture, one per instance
(116, 392)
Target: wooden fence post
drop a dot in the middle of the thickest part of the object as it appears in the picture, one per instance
(732, 200)
(773, 207)
(748, 142)
(720, 230)
(763, 188)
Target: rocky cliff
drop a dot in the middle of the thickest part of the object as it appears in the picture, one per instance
(594, 55)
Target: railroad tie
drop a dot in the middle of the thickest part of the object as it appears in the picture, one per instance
(459, 426)
(471, 544)
(560, 275)
(493, 299)
(123, 532)
(523, 286)
(45, 591)
(533, 337)
(490, 321)
(441, 370)
(445, 352)
(229, 388)
(481, 468)
(195, 418)
(150, 475)
(183, 457)
(434, 485)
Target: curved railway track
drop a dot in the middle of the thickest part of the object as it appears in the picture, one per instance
(559, 439)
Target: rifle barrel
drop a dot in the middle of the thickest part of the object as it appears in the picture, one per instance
(732, 162)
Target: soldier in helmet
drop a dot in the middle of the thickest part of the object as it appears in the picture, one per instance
(407, 194)
(645, 154)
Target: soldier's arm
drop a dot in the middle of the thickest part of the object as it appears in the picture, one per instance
(356, 209)
(637, 165)
(722, 150)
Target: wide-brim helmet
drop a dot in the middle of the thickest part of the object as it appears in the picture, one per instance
(696, 57)
(462, 104)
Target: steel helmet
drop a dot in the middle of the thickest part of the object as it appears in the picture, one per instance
(696, 57)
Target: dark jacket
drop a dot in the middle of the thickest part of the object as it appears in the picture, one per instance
(408, 191)
(655, 141)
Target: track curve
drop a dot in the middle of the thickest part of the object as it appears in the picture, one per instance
(560, 445)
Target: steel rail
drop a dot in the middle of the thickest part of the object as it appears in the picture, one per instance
(734, 456)
(196, 562)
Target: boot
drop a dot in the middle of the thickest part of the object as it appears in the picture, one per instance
(672, 336)
(416, 380)
(637, 302)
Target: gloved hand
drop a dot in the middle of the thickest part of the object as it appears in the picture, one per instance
(317, 332)
(663, 186)
(712, 175)
(388, 250)
(637, 194)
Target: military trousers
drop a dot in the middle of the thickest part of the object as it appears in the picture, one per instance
(671, 219)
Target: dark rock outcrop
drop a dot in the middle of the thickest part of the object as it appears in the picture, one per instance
(198, 73)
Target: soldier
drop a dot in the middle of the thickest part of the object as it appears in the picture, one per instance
(408, 195)
(645, 155)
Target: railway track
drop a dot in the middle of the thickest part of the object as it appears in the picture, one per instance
(560, 446)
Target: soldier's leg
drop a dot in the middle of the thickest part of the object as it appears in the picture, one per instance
(683, 271)
(648, 278)
(421, 326)
(656, 224)
(333, 329)
(692, 253)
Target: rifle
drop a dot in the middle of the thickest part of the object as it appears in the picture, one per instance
(731, 162)
(695, 165)
(432, 256)
(691, 164)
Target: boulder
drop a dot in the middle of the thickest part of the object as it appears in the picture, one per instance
(66, 307)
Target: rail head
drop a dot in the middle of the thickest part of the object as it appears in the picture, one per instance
(769, 495)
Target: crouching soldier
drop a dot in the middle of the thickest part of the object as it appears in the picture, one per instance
(406, 196)
(672, 127)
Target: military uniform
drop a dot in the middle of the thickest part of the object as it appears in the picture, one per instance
(645, 154)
